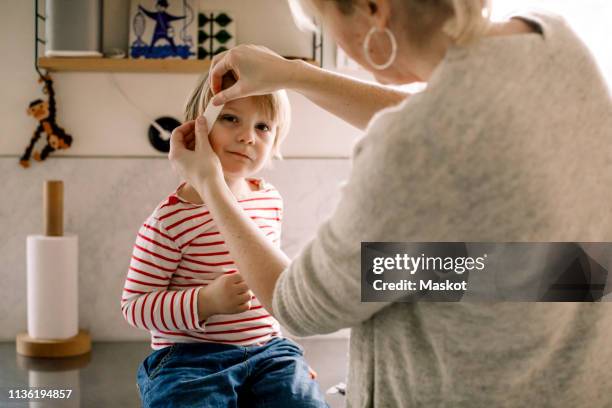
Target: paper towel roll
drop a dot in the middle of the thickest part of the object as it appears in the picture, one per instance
(52, 279)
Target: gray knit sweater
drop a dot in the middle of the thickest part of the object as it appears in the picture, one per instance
(511, 141)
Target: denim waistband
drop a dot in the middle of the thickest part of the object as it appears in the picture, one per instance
(223, 346)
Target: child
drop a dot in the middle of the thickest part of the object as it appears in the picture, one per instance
(215, 345)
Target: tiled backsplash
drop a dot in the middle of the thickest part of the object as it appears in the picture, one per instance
(105, 202)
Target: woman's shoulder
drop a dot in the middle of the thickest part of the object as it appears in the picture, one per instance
(547, 22)
(390, 128)
(502, 76)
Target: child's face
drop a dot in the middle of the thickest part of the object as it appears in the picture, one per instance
(243, 137)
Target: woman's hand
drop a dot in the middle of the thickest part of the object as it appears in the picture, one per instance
(228, 294)
(257, 70)
(191, 154)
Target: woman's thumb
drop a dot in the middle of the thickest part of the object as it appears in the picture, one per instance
(228, 94)
(201, 131)
(177, 138)
(201, 128)
(177, 142)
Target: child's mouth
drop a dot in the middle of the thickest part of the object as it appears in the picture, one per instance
(240, 155)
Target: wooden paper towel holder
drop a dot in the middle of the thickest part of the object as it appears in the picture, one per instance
(73, 346)
(53, 220)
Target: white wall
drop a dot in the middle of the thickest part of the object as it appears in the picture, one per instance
(106, 200)
(113, 178)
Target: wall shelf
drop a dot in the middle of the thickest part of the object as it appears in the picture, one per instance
(126, 65)
(123, 65)
(141, 65)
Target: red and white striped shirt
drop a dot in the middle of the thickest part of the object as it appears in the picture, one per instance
(179, 250)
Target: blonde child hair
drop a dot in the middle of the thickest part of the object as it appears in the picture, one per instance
(276, 105)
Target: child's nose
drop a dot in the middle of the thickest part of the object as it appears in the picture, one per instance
(247, 136)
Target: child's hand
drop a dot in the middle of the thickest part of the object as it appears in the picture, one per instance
(228, 294)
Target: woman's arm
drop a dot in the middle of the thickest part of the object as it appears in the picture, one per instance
(321, 290)
(350, 99)
(260, 262)
(259, 71)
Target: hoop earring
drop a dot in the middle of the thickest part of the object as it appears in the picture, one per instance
(366, 45)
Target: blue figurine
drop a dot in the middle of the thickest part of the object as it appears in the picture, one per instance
(163, 30)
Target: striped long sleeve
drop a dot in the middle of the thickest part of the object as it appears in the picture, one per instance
(147, 303)
(179, 250)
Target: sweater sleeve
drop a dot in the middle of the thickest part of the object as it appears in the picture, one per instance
(146, 302)
(320, 292)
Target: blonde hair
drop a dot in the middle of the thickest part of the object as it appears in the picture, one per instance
(276, 105)
(470, 20)
(464, 21)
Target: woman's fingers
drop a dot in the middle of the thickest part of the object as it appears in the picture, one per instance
(233, 92)
(217, 73)
(191, 154)
(218, 70)
(256, 69)
(177, 138)
(190, 140)
(201, 135)
(238, 64)
(185, 128)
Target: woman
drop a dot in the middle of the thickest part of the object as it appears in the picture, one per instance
(515, 117)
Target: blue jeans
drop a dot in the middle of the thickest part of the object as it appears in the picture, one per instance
(221, 375)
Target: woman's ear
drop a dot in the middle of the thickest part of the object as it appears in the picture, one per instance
(380, 10)
(373, 7)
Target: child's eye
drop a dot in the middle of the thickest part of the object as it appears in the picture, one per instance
(229, 118)
(263, 127)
